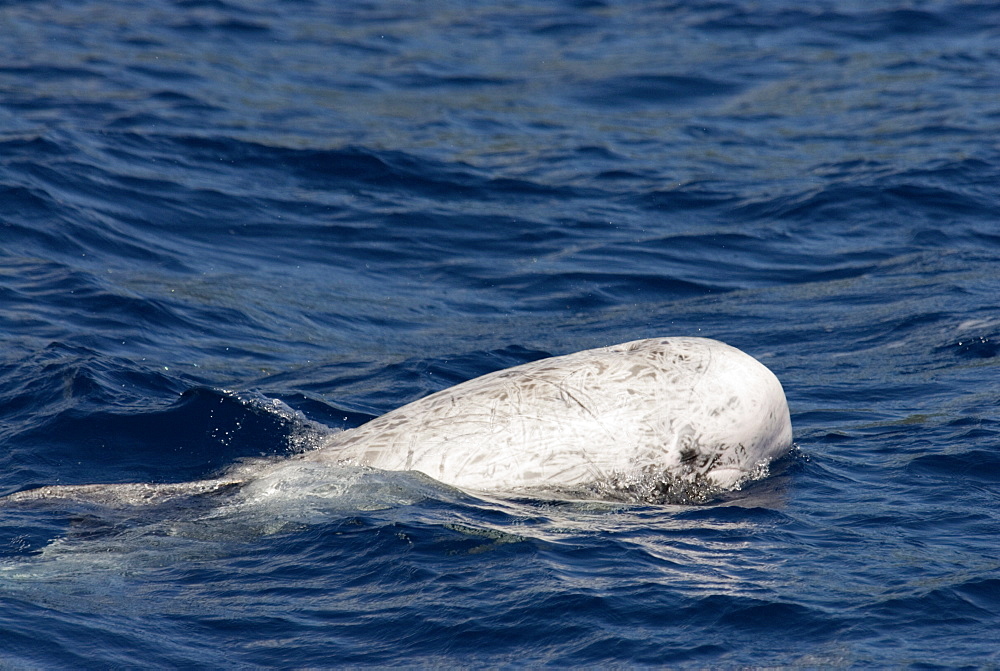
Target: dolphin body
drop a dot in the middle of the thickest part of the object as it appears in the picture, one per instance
(677, 409)
(641, 419)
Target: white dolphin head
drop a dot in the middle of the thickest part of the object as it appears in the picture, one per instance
(682, 410)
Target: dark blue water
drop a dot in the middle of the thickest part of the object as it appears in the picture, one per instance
(227, 226)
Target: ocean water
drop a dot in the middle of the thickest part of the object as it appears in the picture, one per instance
(228, 228)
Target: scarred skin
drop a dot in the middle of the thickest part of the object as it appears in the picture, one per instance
(686, 408)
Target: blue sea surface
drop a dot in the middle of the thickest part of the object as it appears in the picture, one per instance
(228, 228)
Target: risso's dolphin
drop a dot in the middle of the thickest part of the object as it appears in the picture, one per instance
(641, 419)
(677, 409)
